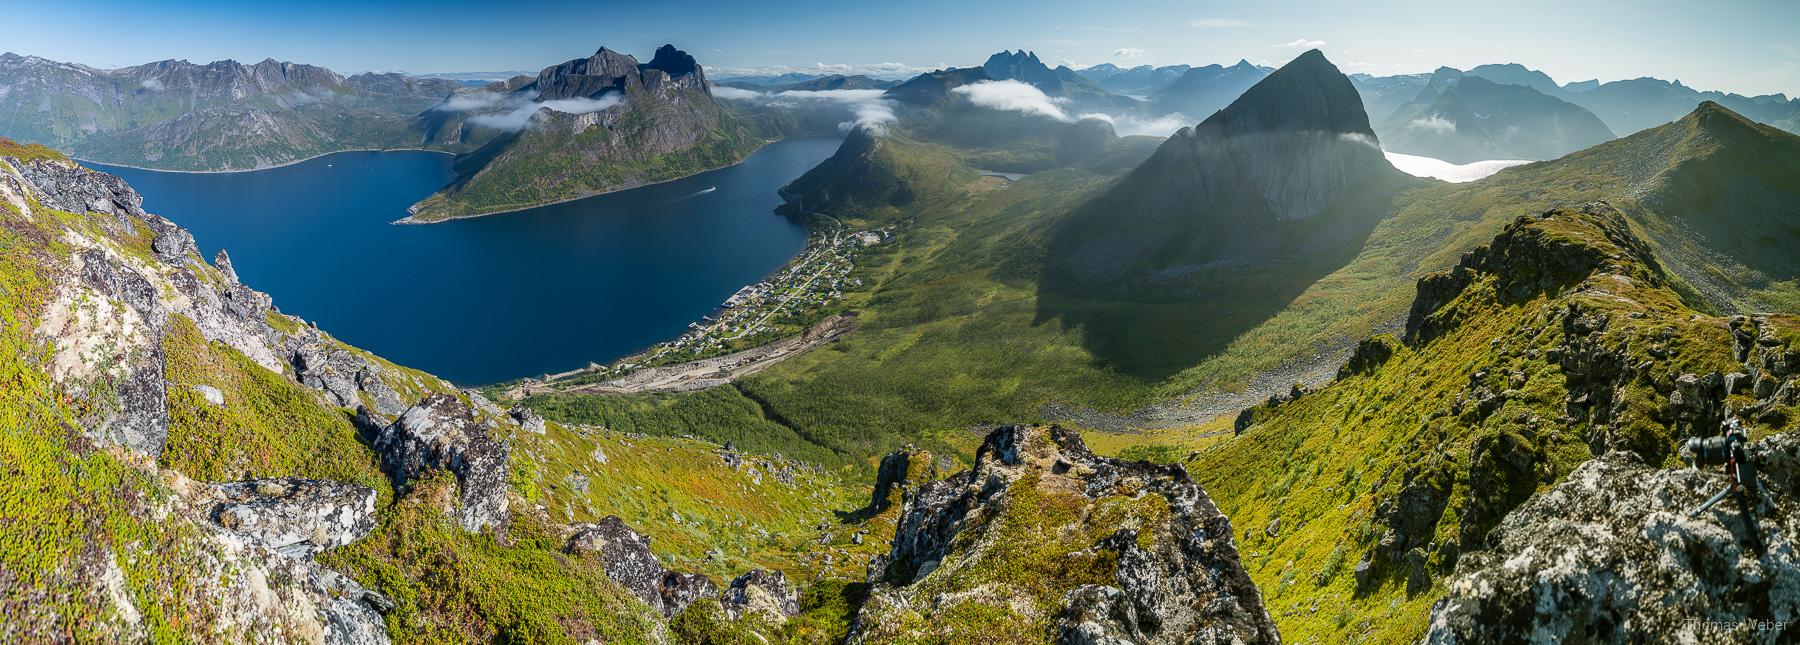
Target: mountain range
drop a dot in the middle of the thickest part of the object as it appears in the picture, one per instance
(223, 115)
(1467, 118)
(1061, 82)
(1133, 81)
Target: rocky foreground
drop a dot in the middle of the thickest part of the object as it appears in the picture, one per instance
(1043, 539)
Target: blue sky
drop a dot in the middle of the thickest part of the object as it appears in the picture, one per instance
(1749, 46)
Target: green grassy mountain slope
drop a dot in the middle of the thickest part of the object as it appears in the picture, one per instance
(590, 126)
(137, 381)
(1560, 340)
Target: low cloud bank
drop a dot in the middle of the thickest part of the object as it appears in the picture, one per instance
(1435, 123)
(1014, 96)
(867, 107)
(1127, 125)
(1418, 166)
(513, 112)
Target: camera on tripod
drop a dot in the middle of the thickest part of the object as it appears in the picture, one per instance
(1727, 450)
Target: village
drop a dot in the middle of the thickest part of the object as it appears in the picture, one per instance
(784, 305)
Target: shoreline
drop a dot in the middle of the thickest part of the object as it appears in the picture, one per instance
(260, 168)
(409, 221)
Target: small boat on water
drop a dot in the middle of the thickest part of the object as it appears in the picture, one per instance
(708, 190)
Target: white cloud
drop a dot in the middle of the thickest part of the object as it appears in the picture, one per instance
(725, 92)
(516, 112)
(152, 84)
(470, 101)
(1302, 43)
(1218, 23)
(867, 107)
(1358, 137)
(1435, 123)
(1128, 53)
(1439, 169)
(1013, 96)
(1126, 125)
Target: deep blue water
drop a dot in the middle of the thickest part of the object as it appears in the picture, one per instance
(491, 298)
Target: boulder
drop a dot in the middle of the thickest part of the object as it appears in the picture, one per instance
(440, 433)
(297, 517)
(760, 592)
(625, 556)
(527, 419)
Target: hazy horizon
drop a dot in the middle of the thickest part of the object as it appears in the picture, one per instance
(1750, 48)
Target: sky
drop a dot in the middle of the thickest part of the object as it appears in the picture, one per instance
(1745, 46)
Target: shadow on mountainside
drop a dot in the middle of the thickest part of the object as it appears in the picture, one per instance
(1177, 307)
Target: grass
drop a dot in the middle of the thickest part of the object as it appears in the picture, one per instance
(268, 425)
(1324, 464)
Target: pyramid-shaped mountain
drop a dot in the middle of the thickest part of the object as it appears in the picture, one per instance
(1289, 172)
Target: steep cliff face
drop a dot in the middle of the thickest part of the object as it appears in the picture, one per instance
(1041, 540)
(587, 126)
(222, 115)
(1289, 171)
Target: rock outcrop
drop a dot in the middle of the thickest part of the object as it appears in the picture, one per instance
(1141, 553)
(762, 593)
(1611, 555)
(441, 433)
(297, 517)
(625, 555)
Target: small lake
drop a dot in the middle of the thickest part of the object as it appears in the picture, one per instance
(492, 298)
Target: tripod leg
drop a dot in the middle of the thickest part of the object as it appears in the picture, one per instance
(1750, 526)
(1710, 502)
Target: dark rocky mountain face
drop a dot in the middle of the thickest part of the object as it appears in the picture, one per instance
(1289, 174)
(1473, 119)
(223, 115)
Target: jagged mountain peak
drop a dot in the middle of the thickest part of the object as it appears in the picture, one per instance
(675, 62)
(1307, 94)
